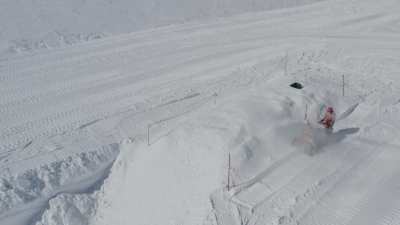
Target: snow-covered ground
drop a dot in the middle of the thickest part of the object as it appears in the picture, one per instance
(36, 25)
(139, 128)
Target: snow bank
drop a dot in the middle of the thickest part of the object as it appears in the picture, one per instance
(23, 196)
(45, 24)
(73, 209)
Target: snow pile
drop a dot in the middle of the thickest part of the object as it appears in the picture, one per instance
(47, 24)
(171, 181)
(24, 195)
(73, 209)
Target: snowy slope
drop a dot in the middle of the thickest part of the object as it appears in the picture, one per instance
(44, 24)
(137, 128)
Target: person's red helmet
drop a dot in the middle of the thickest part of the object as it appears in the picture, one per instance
(329, 109)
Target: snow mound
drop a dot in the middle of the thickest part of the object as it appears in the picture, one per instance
(69, 209)
(24, 195)
(171, 181)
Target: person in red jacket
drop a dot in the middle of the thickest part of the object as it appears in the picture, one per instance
(329, 119)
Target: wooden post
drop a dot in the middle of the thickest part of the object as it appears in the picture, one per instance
(343, 84)
(229, 172)
(148, 135)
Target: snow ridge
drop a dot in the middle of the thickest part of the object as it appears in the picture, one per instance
(22, 196)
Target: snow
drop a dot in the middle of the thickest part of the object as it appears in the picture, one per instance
(69, 209)
(46, 24)
(138, 128)
(24, 195)
(183, 168)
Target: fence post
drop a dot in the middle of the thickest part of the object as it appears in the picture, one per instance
(148, 134)
(343, 84)
(229, 171)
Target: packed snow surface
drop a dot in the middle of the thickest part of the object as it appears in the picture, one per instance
(47, 24)
(197, 124)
